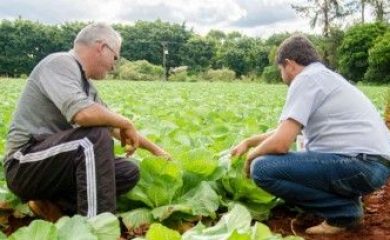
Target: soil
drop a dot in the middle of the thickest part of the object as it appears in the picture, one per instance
(376, 224)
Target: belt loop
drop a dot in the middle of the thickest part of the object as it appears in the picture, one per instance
(362, 156)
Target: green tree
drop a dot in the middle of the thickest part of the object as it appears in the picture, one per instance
(379, 61)
(323, 12)
(381, 9)
(7, 60)
(216, 35)
(353, 52)
(363, 8)
(259, 58)
(276, 39)
(144, 40)
(271, 73)
(218, 38)
(68, 32)
(334, 40)
(197, 53)
(327, 46)
(243, 55)
(23, 44)
(234, 36)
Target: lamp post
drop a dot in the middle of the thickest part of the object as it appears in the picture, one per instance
(165, 53)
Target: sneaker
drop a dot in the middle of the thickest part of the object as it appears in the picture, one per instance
(45, 209)
(324, 228)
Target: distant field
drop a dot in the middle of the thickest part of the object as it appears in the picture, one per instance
(210, 115)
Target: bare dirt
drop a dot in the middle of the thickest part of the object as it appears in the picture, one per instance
(376, 224)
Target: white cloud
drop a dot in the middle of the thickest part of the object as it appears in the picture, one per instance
(252, 17)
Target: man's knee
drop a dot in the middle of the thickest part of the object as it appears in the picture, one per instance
(127, 176)
(98, 135)
(262, 170)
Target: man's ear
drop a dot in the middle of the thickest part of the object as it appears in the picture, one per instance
(291, 63)
(99, 47)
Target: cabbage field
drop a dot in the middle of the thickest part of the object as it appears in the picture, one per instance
(201, 193)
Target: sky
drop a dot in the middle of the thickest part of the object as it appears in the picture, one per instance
(257, 18)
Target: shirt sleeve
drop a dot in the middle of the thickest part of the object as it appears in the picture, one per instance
(100, 101)
(303, 98)
(60, 81)
(95, 95)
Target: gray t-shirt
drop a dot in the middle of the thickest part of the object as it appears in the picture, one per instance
(54, 93)
(336, 116)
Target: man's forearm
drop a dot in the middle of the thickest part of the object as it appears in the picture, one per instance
(279, 141)
(258, 139)
(149, 146)
(98, 115)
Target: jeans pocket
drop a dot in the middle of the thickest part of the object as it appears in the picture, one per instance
(355, 185)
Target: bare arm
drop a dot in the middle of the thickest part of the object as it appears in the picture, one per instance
(144, 143)
(250, 142)
(257, 139)
(152, 147)
(98, 115)
(278, 142)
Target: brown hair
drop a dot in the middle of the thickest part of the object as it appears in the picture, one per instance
(297, 48)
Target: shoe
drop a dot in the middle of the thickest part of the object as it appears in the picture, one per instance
(324, 228)
(45, 209)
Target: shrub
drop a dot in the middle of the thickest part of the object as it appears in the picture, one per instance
(23, 76)
(140, 70)
(223, 74)
(271, 74)
(251, 77)
(353, 52)
(379, 61)
(179, 77)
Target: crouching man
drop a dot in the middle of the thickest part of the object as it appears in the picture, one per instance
(347, 143)
(60, 154)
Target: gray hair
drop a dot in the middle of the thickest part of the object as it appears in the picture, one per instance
(98, 32)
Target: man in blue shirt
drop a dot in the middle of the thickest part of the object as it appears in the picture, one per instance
(347, 143)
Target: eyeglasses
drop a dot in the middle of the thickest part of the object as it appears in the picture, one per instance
(116, 57)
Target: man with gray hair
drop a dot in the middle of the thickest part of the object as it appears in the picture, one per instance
(347, 143)
(59, 153)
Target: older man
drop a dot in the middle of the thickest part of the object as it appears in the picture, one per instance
(347, 144)
(59, 146)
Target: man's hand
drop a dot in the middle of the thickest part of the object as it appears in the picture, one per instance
(249, 159)
(162, 153)
(129, 136)
(247, 167)
(254, 153)
(240, 149)
(129, 150)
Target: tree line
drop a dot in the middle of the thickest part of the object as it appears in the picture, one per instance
(361, 52)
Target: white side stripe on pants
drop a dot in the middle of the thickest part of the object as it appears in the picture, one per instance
(67, 147)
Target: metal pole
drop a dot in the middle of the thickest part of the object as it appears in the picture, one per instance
(165, 53)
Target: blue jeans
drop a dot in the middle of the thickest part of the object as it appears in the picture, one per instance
(329, 185)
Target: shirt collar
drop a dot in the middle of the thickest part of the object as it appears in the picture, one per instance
(77, 57)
